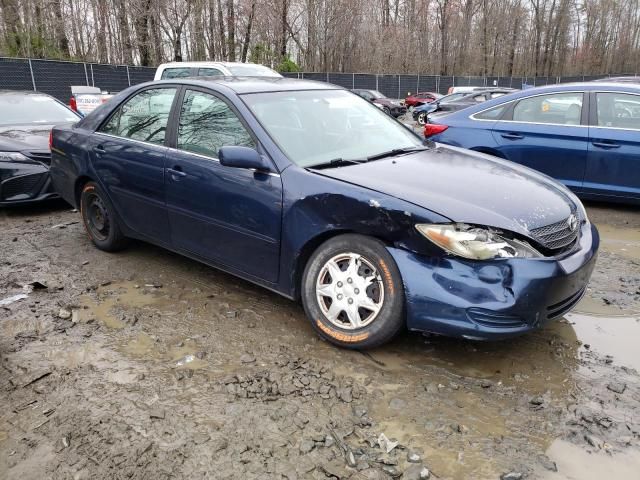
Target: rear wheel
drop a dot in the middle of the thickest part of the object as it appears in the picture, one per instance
(387, 110)
(352, 292)
(100, 219)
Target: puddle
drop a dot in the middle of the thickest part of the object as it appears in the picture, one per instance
(108, 308)
(624, 241)
(576, 463)
(610, 335)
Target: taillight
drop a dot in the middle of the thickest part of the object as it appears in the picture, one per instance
(73, 104)
(431, 129)
(50, 139)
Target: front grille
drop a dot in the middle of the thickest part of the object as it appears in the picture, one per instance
(557, 235)
(21, 188)
(43, 156)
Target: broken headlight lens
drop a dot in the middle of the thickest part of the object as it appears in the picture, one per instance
(475, 243)
(13, 157)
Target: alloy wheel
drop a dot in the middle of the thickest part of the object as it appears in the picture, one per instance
(350, 291)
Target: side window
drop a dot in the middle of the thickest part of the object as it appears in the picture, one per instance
(492, 114)
(497, 94)
(207, 123)
(366, 95)
(479, 98)
(618, 110)
(558, 108)
(143, 117)
(178, 72)
(209, 72)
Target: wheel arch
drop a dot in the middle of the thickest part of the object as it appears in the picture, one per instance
(311, 246)
(81, 181)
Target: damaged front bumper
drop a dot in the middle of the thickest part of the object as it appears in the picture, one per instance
(22, 183)
(497, 298)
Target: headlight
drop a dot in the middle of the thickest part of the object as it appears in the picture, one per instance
(475, 243)
(13, 157)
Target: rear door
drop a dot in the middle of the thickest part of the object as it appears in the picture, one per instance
(613, 163)
(128, 153)
(231, 216)
(548, 133)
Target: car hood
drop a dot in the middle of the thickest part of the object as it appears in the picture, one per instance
(466, 187)
(24, 137)
(389, 102)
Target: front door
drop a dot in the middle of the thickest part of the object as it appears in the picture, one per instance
(613, 163)
(231, 216)
(128, 153)
(547, 133)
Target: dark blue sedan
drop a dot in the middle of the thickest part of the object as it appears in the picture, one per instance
(587, 135)
(312, 192)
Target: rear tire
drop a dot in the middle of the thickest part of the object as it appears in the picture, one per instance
(100, 219)
(352, 292)
(387, 110)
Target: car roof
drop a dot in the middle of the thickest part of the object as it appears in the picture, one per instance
(242, 85)
(205, 63)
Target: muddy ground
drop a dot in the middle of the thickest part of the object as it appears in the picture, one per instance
(144, 364)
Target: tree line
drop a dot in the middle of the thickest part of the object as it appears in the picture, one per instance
(446, 37)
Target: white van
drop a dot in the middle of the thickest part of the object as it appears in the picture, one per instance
(209, 69)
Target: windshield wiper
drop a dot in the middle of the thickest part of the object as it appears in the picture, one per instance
(336, 162)
(395, 152)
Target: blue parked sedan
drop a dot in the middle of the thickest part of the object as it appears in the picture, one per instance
(312, 192)
(587, 135)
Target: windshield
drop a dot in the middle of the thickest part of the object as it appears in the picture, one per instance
(249, 70)
(377, 94)
(317, 126)
(29, 109)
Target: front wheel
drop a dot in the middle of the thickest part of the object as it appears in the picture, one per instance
(387, 110)
(352, 292)
(422, 118)
(100, 219)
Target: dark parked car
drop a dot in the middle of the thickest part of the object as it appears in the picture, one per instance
(421, 98)
(395, 108)
(443, 108)
(420, 112)
(586, 135)
(314, 193)
(25, 125)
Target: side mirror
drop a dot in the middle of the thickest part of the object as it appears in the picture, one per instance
(242, 157)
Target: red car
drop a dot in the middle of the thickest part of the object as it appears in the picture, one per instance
(421, 98)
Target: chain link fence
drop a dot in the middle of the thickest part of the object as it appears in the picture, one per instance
(400, 86)
(56, 77)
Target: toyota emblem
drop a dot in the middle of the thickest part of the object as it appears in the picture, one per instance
(572, 222)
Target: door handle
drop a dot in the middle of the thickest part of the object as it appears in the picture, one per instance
(176, 173)
(606, 145)
(512, 136)
(99, 149)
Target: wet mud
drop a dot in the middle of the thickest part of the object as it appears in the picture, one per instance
(144, 364)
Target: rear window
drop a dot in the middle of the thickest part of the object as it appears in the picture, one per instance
(33, 109)
(176, 72)
(492, 114)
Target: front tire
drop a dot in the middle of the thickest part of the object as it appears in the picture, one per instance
(100, 219)
(352, 292)
(387, 110)
(422, 118)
